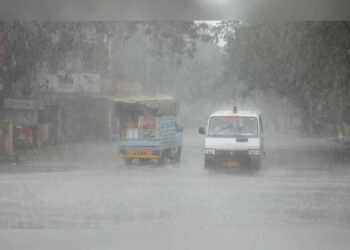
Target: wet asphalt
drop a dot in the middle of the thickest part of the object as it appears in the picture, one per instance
(304, 184)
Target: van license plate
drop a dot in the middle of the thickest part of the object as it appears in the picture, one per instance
(231, 164)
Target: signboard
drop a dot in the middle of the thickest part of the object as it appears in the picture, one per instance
(66, 82)
(1, 63)
(23, 104)
(149, 127)
(132, 133)
(21, 117)
(1, 50)
(149, 122)
(22, 111)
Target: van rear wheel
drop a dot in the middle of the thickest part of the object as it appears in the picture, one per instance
(259, 164)
(207, 164)
(256, 164)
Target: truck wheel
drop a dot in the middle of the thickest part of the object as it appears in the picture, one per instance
(178, 155)
(128, 161)
(144, 161)
(162, 158)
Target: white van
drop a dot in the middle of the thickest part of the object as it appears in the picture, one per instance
(234, 139)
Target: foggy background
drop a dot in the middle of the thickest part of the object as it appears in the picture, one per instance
(296, 73)
(132, 10)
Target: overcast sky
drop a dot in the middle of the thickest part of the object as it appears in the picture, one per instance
(175, 10)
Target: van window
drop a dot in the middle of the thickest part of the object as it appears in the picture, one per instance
(233, 126)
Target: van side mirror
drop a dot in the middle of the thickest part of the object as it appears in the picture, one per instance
(201, 131)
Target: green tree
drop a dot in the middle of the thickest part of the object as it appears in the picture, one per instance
(298, 60)
(27, 45)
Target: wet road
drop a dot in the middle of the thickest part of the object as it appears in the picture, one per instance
(304, 183)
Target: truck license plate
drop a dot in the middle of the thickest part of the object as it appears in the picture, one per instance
(138, 153)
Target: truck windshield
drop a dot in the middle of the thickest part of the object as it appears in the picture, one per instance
(233, 126)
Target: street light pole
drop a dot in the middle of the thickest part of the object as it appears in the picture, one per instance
(148, 67)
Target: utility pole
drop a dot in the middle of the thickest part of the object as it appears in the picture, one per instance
(147, 86)
(109, 51)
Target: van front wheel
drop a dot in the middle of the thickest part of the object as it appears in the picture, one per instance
(207, 164)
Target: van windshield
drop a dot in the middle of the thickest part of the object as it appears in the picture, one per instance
(233, 126)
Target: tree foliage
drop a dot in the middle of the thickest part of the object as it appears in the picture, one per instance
(30, 45)
(174, 37)
(307, 62)
(84, 46)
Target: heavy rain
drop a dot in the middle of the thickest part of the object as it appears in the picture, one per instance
(174, 126)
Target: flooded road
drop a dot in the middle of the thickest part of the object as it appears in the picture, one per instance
(304, 183)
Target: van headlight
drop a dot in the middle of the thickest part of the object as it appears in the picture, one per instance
(210, 151)
(254, 151)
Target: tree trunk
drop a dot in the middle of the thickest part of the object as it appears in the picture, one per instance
(310, 124)
(340, 127)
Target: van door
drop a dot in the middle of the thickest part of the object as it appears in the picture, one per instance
(262, 144)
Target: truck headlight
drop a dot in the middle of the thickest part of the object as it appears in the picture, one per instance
(254, 151)
(210, 151)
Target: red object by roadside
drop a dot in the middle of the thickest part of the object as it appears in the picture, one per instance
(26, 131)
(128, 124)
